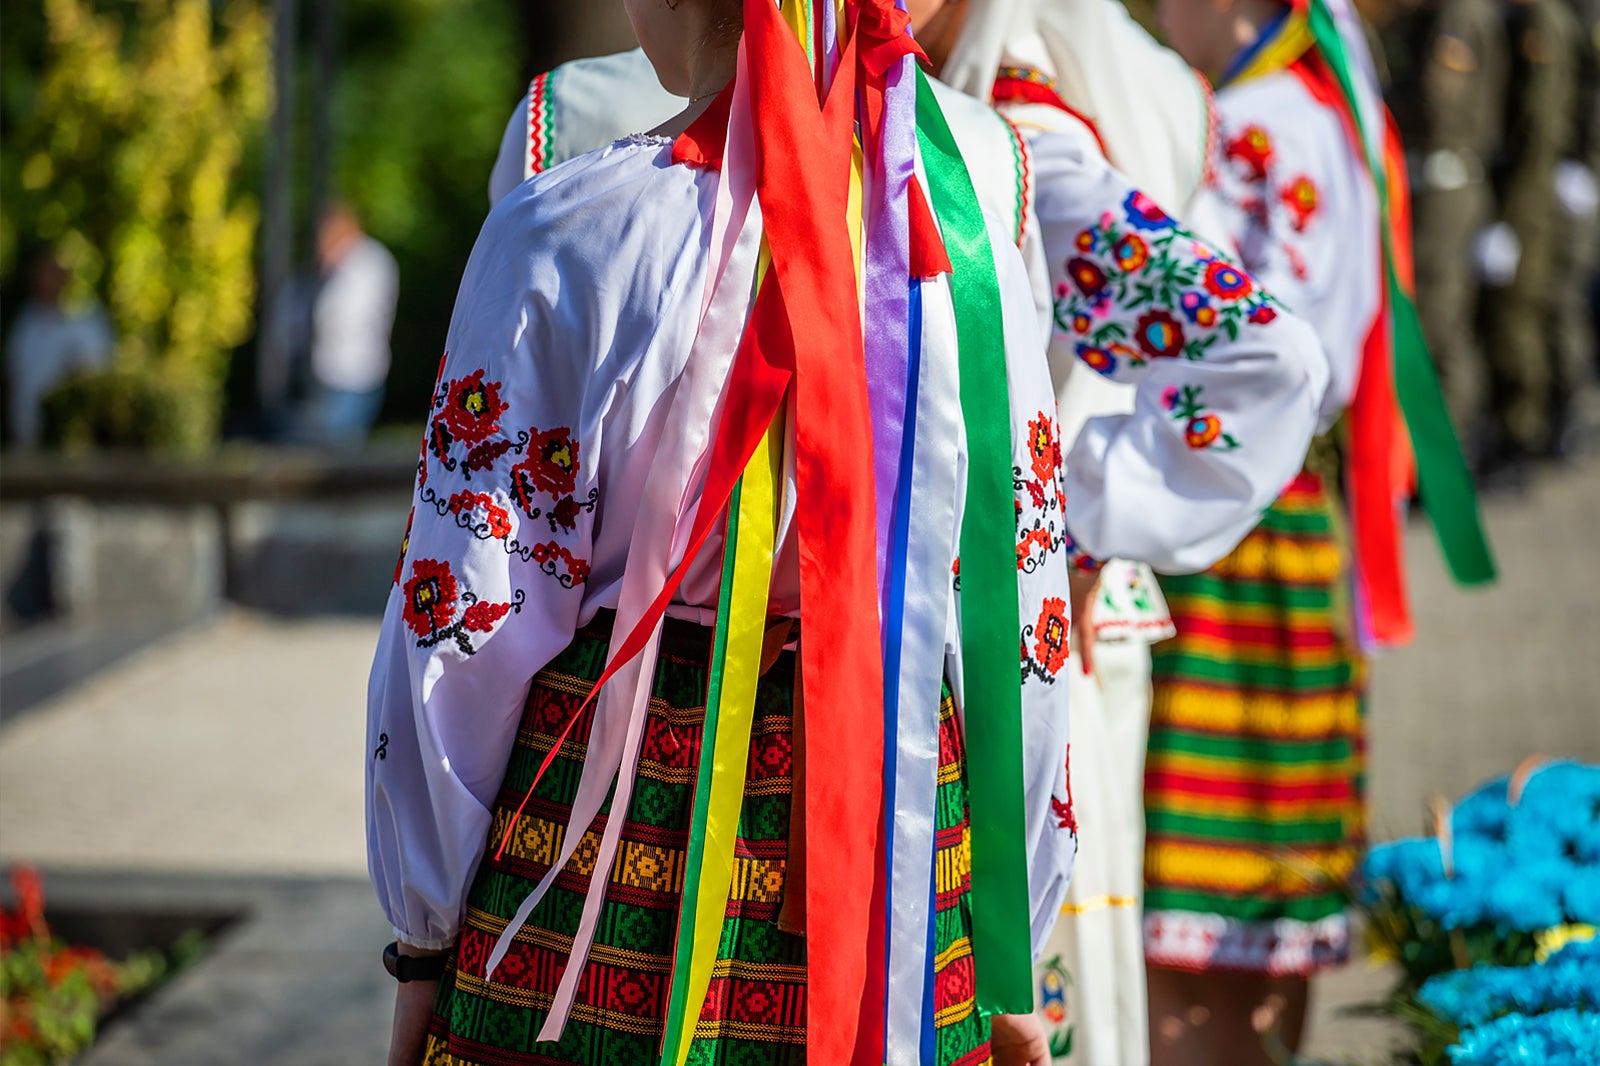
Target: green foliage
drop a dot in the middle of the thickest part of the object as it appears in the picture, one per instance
(133, 405)
(127, 161)
(52, 995)
(424, 91)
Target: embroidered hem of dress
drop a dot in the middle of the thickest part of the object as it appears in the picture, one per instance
(1149, 630)
(1211, 943)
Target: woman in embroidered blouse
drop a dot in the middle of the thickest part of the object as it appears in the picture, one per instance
(1180, 457)
(1253, 774)
(571, 437)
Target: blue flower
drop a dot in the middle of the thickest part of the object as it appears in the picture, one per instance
(1560, 1038)
(1581, 897)
(1472, 997)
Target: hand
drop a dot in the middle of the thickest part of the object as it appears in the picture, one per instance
(1018, 1040)
(1084, 587)
(413, 1013)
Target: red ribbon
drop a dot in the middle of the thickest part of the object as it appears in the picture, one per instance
(1380, 470)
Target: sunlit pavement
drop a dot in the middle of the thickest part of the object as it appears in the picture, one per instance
(231, 755)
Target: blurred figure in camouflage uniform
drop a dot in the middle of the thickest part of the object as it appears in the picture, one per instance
(1576, 192)
(1447, 87)
(1539, 124)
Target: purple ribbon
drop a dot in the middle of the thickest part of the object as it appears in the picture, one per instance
(887, 268)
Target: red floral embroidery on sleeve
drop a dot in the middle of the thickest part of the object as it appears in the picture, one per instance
(438, 609)
(1066, 817)
(466, 437)
(1252, 149)
(1301, 198)
(1049, 650)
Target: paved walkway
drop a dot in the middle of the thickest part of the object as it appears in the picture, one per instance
(231, 757)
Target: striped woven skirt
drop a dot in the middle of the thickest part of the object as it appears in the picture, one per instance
(755, 1012)
(1253, 790)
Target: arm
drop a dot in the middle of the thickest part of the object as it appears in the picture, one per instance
(1225, 383)
(487, 590)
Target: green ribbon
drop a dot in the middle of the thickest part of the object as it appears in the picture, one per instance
(1445, 483)
(990, 615)
(677, 1000)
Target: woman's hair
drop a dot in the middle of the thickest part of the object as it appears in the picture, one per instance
(727, 20)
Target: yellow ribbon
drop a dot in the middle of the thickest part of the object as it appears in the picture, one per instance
(746, 629)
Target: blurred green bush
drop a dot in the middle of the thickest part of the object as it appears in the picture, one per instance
(127, 161)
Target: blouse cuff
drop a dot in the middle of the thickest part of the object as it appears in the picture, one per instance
(423, 943)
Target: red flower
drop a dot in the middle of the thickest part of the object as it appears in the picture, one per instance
(1085, 240)
(496, 518)
(1066, 818)
(472, 408)
(565, 513)
(1131, 252)
(1160, 336)
(430, 597)
(1034, 538)
(1300, 196)
(1050, 636)
(1262, 315)
(561, 564)
(481, 616)
(1044, 447)
(1099, 360)
(1228, 282)
(552, 463)
(25, 882)
(1089, 278)
(1202, 430)
(1253, 148)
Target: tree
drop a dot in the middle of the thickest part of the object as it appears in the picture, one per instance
(129, 165)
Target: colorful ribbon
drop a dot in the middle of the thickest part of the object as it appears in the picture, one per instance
(1397, 393)
(990, 613)
(725, 741)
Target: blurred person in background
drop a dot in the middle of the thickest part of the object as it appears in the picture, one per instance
(49, 342)
(343, 320)
(1253, 791)
(1539, 123)
(1579, 251)
(1447, 66)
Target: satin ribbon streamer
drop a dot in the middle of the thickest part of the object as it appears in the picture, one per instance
(990, 613)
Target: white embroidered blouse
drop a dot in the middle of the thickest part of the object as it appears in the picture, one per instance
(571, 332)
(1181, 428)
(1303, 212)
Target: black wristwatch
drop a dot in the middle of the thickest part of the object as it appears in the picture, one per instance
(404, 968)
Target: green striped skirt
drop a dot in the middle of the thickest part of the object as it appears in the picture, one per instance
(1253, 803)
(755, 1012)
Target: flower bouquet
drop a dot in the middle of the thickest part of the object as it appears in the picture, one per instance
(52, 995)
(1491, 920)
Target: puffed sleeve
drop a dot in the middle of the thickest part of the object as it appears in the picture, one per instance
(1226, 382)
(487, 589)
(1300, 210)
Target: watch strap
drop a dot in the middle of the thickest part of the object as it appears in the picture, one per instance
(407, 968)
